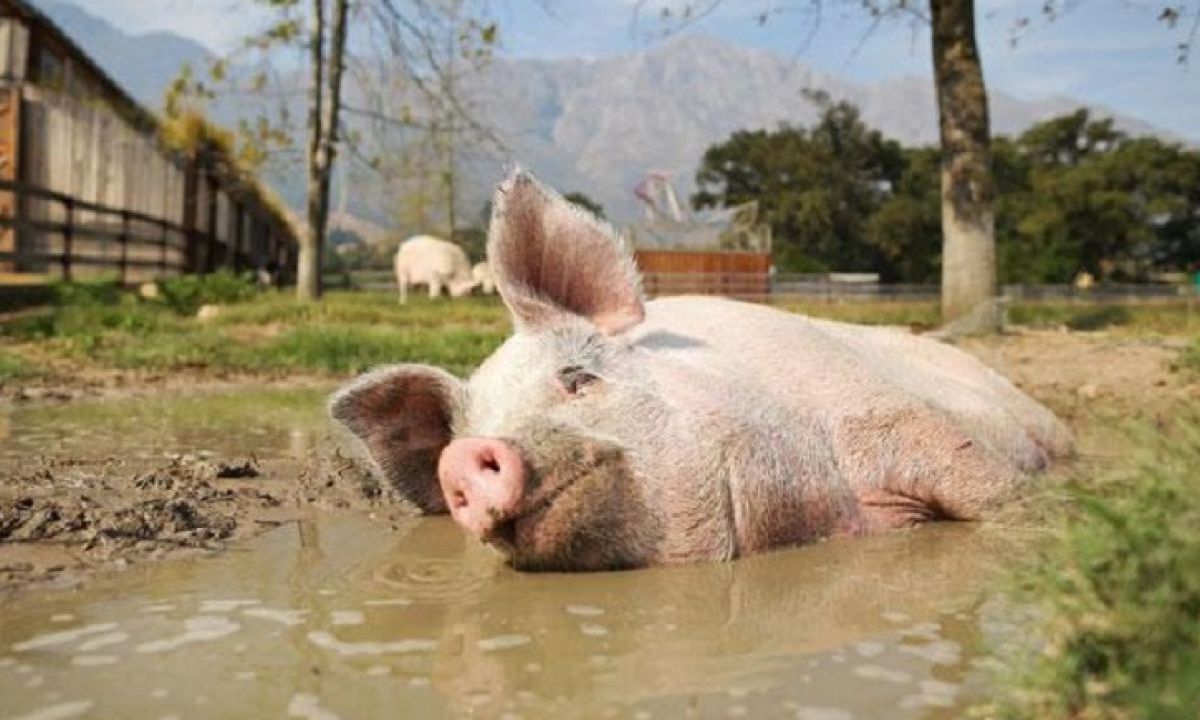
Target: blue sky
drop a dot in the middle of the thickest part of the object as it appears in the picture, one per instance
(1109, 52)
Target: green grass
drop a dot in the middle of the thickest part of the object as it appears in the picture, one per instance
(272, 332)
(95, 325)
(912, 313)
(1117, 597)
(1157, 317)
(14, 367)
(1189, 359)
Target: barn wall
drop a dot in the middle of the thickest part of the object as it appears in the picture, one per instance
(68, 129)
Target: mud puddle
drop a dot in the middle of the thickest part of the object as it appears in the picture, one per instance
(330, 614)
(337, 617)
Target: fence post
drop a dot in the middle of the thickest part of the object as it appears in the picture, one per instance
(68, 234)
(210, 253)
(124, 245)
(162, 248)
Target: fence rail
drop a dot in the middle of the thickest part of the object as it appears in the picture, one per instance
(74, 233)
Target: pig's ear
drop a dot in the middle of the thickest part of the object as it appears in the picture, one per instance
(552, 260)
(403, 414)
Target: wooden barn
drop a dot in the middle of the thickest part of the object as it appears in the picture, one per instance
(88, 188)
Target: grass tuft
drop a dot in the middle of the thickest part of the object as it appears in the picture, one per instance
(14, 367)
(1117, 599)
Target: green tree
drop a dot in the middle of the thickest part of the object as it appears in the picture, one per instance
(816, 188)
(1077, 195)
(906, 229)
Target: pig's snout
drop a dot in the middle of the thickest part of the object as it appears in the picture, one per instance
(483, 480)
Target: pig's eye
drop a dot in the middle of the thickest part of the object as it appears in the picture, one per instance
(575, 379)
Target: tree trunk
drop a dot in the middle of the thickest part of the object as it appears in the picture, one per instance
(968, 221)
(308, 264)
(333, 104)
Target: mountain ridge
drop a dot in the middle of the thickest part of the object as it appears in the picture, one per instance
(596, 125)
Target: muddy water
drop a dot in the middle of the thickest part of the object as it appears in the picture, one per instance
(336, 616)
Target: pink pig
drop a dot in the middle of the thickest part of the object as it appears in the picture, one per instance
(610, 432)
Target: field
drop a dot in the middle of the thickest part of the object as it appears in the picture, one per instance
(94, 337)
(1116, 586)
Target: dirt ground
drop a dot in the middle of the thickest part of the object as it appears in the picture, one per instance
(62, 518)
(1084, 376)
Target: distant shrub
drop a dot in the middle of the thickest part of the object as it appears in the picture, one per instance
(186, 293)
(87, 293)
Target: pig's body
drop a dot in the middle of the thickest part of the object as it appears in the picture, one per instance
(867, 428)
(611, 432)
(434, 263)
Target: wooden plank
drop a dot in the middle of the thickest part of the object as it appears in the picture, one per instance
(10, 125)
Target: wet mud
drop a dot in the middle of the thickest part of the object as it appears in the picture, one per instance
(115, 495)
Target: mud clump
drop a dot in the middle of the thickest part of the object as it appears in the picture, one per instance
(333, 481)
(59, 516)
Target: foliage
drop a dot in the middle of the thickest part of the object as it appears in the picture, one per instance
(87, 293)
(1118, 597)
(1077, 195)
(186, 293)
(817, 187)
(1073, 195)
(907, 226)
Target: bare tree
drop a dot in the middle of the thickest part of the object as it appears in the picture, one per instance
(324, 112)
(426, 43)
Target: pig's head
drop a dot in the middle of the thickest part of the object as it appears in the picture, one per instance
(555, 450)
(461, 288)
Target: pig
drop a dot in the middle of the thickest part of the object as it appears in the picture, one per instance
(610, 432)
(436, 263)
(482, 275)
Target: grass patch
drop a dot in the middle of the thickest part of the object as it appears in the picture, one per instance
(913, 313)
(1189, 359)
(1166, 317)
(355, 349)
(272, 332)
(14, 367)
(97, 325)
(1118, 598)
(186, 293)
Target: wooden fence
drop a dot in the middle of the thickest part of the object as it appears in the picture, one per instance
(71, 238)
(733, 274)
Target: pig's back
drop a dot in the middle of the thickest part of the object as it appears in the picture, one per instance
(843, 373)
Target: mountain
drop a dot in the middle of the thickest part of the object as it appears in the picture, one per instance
(143, 64)
(598, 125)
